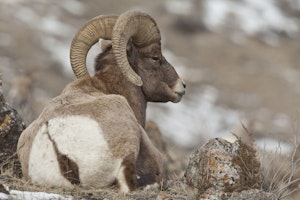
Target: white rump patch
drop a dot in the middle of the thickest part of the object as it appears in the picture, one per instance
(81, 139)
(43, 166)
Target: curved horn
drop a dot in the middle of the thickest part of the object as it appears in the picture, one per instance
(86, 37)
(142, 29)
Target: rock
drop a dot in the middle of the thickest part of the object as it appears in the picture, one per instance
(11, 126)
(223, 170)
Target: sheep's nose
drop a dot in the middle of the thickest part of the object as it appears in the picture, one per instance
(183, 84)
(180, 87)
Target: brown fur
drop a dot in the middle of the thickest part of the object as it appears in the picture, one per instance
(159, 77)
(25, 143)
(130, 170)
(120, 107)
(149, 163)
(81, 97)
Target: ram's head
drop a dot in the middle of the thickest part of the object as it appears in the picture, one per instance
(135, 49)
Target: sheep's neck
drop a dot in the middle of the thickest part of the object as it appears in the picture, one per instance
(135, 99)
(133, 94)
(138, 105)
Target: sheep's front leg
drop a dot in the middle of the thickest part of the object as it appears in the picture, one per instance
(126, 179)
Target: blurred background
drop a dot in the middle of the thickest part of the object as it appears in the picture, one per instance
(239, 58)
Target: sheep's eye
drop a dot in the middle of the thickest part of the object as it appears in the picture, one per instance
(155, 58)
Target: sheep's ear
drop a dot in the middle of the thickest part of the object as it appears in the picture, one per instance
(104, 44)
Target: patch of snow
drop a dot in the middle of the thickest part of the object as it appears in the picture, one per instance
(180, 7)
(48, 23)
(273, 145)
(51, 25)
(59, 51)
(282, 120)
(3, 196)
(27, 15)
(24, 195)
(253, 17)
(73, 7)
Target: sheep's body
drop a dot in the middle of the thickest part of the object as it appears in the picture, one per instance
(93, 133)
(79, 138)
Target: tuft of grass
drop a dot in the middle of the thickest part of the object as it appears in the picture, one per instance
(281, 174)
(10, 165)
(247, 159)
(271, 172)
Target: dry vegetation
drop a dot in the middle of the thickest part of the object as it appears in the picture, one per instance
(281, 173)
(174, 189)
(250, 165)
(275, 173)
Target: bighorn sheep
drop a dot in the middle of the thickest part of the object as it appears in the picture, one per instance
(93, 133)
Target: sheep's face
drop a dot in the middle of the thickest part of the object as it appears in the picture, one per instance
(161, 83)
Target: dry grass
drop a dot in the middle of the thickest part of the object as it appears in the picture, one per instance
(174, 189)
(247, 159)
(281, 173)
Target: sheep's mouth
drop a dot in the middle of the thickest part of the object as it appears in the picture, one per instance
(178, 96)
(179, 90)
(180, 93)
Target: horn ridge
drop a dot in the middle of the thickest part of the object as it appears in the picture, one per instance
(98, 27)
(142, 29)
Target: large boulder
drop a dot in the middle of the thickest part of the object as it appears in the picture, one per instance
(223, 170)
(11, 126)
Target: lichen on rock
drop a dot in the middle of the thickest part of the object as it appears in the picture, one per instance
(220, 168)
(11, 126)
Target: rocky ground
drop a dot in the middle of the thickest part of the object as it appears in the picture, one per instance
(237, 70)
